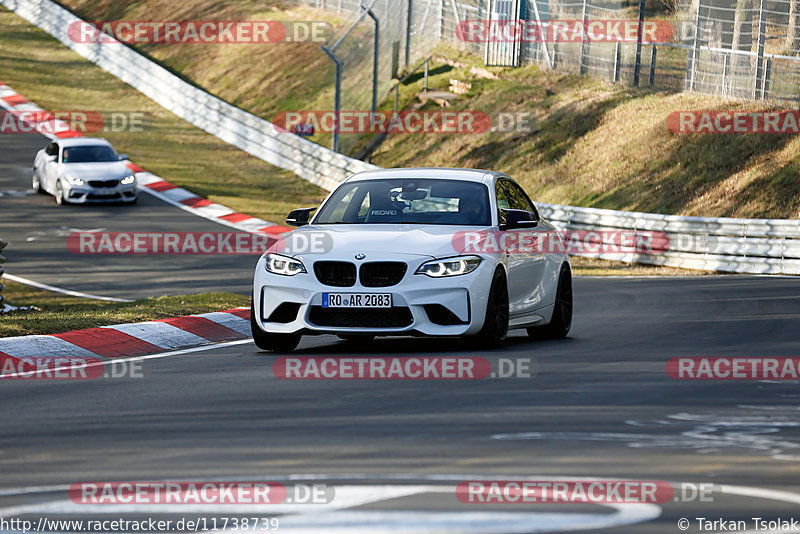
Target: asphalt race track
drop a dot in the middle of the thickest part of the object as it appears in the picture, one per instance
(600, 406)
(37, 230)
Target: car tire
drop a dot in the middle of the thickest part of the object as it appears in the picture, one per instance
(59, 194)
(36, 183)
(560, 324)
(495, 324)
(271, 342)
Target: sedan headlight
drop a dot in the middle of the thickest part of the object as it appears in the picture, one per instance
(284, 265)
(449, 266)
(74, 181)
(128, 180)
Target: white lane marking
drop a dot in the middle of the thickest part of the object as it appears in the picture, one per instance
(42, 347)
(234, 322)
(336, 516)
(160, 334)
(156, 356)
(54, 289)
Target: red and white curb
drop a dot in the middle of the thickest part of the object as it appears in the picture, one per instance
(138, 339)
(47, 125)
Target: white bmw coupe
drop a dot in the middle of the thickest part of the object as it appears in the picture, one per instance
(434, 252)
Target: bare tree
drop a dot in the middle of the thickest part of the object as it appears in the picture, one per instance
(793, 37)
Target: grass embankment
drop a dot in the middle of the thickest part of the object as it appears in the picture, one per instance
(48, 73)
(58, 313)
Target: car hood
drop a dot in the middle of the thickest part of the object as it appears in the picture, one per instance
(108, 171)
(343, 241)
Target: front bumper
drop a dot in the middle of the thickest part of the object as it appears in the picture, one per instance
(421, 305)
(90, 195)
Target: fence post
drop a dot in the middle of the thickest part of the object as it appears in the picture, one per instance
(339, 7)
(617, 61)
(585, 44)
(638, 65)
(441, 22)
(691, 57)
(338, 98)
(652, 79)
(427, 61)
(3, 244)
(767, 75)
(762, 36)
(375, 57)
(726, 59)
(409, 23)
(396, 96)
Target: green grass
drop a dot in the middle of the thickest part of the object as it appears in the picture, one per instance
(48, 73)
(56, 313)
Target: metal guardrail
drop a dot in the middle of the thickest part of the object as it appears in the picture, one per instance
(3, 244)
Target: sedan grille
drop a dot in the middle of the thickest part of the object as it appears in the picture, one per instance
(336, 273)
(382, 273)
(361, 317)
(103, 183)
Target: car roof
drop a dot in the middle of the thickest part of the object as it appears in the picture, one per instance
(470, 175)
(82, 141)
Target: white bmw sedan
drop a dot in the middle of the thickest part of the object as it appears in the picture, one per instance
(83, 170)
(435, 252)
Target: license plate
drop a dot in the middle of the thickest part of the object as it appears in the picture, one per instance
(356, 300)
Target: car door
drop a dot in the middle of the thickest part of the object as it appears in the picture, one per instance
(526, 260)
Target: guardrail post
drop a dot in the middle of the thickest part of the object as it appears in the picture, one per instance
(638, 65)
(3, 244)
(652, 79)
(585, 44)
(617, 61)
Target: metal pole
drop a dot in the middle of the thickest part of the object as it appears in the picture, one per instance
(617, 61)
(762, 36)
(337, 106)
(409, 23)
(653, 65)
(725, 62)
(375, 57)
(767, 74)
(691, 57)
(396, 96)
(426, 74)
(637, 67)
(585, 45)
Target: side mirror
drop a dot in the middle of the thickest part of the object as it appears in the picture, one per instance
(123, 157)
(300, 217)
(512, 219)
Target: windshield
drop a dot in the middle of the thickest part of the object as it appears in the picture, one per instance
(89, 154)
(407, 201)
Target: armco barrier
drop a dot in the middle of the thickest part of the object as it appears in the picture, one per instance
(763, 246)
(243, 130)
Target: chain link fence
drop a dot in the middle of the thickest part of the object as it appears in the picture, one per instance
(746, 49)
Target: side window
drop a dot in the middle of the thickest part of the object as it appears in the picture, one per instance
(52, 149)
(511, 196)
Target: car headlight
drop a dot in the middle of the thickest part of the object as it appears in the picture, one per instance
(449, 266)
(74, 181)
(128, 180)
(283, 265)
